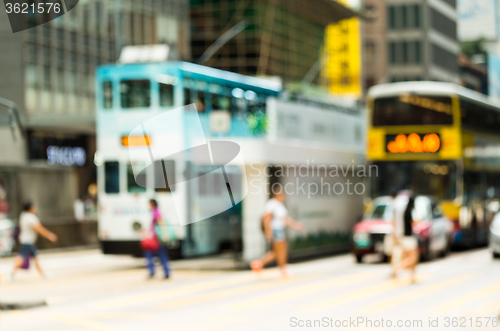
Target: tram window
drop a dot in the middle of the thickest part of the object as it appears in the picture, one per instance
(135, 185)
(215, 102)
(200, 101)
(135, 93)
(112, 177)
(163, 167)
(187, 97)
(202, 183)
(107, 94)
(412, 110)
(166, 95)
(224, 102)
(217, 188)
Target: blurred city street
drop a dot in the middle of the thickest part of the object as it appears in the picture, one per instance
(90, 291)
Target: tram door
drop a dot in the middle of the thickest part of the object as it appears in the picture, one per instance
(223, 231)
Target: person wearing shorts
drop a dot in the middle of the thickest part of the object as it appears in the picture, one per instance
(406, 239)
(30, 228)
(276, 220)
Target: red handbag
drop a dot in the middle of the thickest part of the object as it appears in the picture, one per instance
(150, 243)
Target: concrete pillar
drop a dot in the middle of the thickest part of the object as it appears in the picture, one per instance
(253, 211)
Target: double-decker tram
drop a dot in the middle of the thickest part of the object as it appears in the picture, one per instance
(438, 139)
(134, 95)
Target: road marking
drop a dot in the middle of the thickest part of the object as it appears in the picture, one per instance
(298, 291)
(361, 293)
(171, 292)
(492, 306)
(417, 293)
(465, 299)
(223, 294)
(89, 325)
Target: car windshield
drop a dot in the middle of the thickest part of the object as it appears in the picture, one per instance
(384, 210)
(381, 211)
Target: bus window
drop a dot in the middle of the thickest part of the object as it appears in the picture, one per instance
(135, 185)
(166, 95)
(135, 93)
(412, 109)
(162, 168)
(107, 94)
(112, 177)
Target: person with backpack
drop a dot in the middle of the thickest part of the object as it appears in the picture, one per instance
(153, 244)
(275, 221)
(30, 228)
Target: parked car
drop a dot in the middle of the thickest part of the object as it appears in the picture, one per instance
(495, 236)
(372, 234)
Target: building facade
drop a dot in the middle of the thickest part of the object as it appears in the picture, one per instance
(375, 43)
(282, 38)
(422, 40)
(411, 40)
(49, 72)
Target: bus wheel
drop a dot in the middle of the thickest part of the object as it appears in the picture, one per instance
(359, 258)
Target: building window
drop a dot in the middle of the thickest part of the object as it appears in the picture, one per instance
(416, 16)
(392, 52)
(164, 168)
(135, 93)
(418, 52)
(31, 75)
(392, 17)
(404, 46)
(60, 80)
(444, 58)
(46, 77)
(404, 16)
(107, 94)
(370, 50)
(112, 177)
(444, 24)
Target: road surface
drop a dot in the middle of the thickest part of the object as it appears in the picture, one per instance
(89, 291)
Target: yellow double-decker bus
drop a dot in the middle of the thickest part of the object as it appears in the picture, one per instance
(438, 139)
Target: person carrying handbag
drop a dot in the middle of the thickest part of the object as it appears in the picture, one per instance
(154, 242)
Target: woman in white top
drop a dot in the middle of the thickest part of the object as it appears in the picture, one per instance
(275, 221)
(30, 228)
(406, 240)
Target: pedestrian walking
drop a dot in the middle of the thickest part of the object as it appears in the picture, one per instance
(407, 241)
(275, 221)
(154, 244)
(30, 227)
